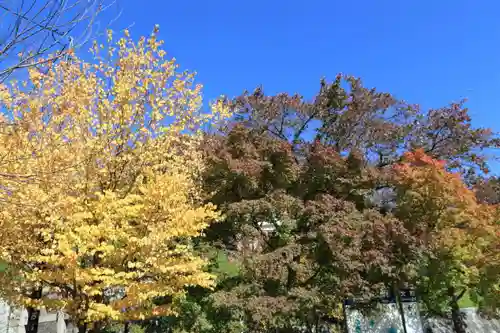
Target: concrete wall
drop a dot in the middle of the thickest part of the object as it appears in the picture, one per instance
(14, 320)
(388, 320)
(475, 324)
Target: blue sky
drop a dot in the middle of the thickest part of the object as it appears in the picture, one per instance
(426, 52)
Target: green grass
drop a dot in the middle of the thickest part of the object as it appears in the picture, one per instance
(3, 266)
(466, 301)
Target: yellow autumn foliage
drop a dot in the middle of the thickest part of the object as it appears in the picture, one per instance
(99, 187)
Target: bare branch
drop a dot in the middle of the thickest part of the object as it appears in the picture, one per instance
(32, 30)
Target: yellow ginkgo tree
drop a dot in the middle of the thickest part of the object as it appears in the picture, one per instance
(99, 186)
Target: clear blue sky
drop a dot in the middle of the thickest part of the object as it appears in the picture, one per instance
(426, 52)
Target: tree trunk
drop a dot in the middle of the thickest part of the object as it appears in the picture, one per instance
(82, 327)
(457, 316)
(97, 326)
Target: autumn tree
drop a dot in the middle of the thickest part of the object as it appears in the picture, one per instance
(100, 184)
(308, 189)
(295, 223)
(456, 229)
(347, 115)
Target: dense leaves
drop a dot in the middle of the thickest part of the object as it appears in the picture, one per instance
(456, 228)
(100, 195)
(298, 229)
(322, 203)
(345, 115)
(110, 183)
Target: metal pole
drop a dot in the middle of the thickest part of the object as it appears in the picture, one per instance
(9, 317)
(344, 310)
(33, 314)
(401, 309)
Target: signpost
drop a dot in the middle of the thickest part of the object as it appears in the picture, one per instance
(409, 310)
(33, 314)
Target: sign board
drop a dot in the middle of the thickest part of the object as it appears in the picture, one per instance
(408, 295)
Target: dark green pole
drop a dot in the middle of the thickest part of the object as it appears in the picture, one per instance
(401, 308)
(344, 310)
(33, 314)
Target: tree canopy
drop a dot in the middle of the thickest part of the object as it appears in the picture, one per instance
(123, 201)
(101, 193)
(346, 195)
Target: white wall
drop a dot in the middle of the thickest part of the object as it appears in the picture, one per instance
(14, 320)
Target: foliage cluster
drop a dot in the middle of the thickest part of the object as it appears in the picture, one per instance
(127, 204)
